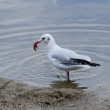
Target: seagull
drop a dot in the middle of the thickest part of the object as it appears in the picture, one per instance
(63, 59)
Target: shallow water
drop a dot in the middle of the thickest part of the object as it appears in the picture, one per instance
(80, 26)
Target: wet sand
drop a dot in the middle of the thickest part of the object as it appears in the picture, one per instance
(16, 96)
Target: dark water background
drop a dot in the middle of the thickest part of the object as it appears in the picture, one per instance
(80, 25)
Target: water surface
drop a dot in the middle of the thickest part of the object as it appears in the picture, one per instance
(82, 26)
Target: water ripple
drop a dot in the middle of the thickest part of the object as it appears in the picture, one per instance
(18, 60)
(32, 30)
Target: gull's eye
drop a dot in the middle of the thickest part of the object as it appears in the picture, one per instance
(48, 38)
(43, 38)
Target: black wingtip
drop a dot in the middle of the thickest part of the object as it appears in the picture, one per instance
(94, 64)
(83, 62)
(98, 65)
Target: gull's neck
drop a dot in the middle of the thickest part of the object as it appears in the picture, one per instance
(52, 44)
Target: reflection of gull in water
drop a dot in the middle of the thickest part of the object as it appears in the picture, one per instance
(66, 84)
(64, 59)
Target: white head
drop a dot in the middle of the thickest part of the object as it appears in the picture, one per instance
(46, 38)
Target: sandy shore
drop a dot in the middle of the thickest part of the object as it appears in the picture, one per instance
(15, 96)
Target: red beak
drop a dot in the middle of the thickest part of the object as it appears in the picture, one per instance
(35, 45)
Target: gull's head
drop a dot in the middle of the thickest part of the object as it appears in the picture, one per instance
(45, 38)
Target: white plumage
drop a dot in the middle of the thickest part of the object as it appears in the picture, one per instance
(60, 58)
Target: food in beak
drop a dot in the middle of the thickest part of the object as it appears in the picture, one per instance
(35, 45)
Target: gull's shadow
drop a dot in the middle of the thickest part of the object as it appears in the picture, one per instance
(66, 84)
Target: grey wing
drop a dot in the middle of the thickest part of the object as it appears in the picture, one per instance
(60, 59)
(67, 61)
(72, 61)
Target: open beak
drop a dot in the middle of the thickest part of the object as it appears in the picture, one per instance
(35, 45)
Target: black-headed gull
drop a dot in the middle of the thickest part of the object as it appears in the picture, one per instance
(62, 58)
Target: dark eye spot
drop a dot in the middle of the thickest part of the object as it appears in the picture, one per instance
(43, 38)
(48, 38)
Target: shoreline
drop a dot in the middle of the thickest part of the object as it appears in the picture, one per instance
(16, 96)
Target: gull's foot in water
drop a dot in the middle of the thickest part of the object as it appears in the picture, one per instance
(61, 76)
